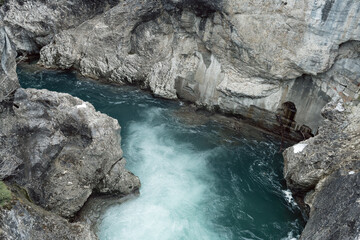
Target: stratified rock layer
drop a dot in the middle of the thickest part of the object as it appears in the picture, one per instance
(324, 173)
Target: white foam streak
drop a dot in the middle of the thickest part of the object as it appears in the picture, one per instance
(290, 236)
(289, 198)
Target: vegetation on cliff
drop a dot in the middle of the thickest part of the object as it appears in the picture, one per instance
(5, 195)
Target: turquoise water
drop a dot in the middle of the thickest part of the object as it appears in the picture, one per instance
(199, 181)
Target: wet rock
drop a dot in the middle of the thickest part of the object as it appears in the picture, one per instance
(119, 181)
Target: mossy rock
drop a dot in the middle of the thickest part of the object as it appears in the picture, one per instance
(5, 195)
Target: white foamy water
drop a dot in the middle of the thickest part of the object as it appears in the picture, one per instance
(176, 184)
(289, 198)
(291, 236)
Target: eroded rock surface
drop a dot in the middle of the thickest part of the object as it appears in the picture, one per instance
(55, 151)
(324, 173)
(28, 221)
(8, 78)
(33, 24)
(59, 150)
(242, 57)
(63, 148)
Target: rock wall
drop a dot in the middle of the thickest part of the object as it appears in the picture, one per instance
(55, 151)
(323, 172)
(246, 58)
(33, 24)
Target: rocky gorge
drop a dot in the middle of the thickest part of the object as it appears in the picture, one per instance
(290, 67)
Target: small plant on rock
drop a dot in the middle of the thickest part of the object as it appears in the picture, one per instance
(5, 195)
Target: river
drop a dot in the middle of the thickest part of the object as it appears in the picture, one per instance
(201, 179)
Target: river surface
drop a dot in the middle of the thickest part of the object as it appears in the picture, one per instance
(200, 179)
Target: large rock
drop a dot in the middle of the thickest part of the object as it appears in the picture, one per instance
(324, 174)
(242, 57)
(62, 148)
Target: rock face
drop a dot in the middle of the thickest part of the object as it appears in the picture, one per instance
(324, 173)
(241, 57)
(55, 151)
(33, 24)
(28, 221)
(8, 78)
(63, 149)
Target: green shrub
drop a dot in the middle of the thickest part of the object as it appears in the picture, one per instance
(5, 195)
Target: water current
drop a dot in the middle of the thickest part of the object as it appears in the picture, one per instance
(200, 179)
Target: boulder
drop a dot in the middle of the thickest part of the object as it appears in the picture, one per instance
(63, 149)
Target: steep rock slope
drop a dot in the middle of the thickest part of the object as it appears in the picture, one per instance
(324, 174)
(243, 57)
(55, 151)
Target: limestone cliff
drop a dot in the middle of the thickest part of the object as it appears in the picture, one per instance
(55, 151)
(249, 58)
(33, 24)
